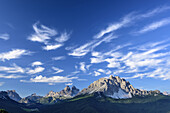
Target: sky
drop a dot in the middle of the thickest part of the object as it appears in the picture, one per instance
(48, 44)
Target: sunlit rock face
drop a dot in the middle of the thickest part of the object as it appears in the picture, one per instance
(66, 92)
(115, 87)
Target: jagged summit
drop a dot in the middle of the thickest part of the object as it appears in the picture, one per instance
(13, 95)
(30, 99)
(115, 87)
(66, 92)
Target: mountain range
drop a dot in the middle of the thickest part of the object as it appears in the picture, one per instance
(114, 88)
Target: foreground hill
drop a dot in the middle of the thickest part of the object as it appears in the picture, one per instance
(98, 103)
(10, 105)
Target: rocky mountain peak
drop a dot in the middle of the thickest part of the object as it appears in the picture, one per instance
(67, 88)
(115, 87)
(67, 92)
(13, 95)
(111, 77)
(34, 94)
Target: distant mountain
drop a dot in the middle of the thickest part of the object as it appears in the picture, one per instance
(116, 87)
(67, 92)
(10, 105)
(30, 99)
(13, 95)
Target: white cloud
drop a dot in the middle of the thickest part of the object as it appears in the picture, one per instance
(88, 47)
(57, 70)
(70, 47)
(104, 71)
(96, 73)
(4, 36)
(46, 35)
(59, 58)
(11, 76)
(36, 70)
(13, 69)
(82, 66)
(37, 63)
(14, 54)
(126, 20)
(2, 83)
(52, 47)
(154, 25)
(154, 11)
(42, 33)
(147, 60)
(53, 79)
(63, 37)
(115, 26)
(99, 57)
(69, 84)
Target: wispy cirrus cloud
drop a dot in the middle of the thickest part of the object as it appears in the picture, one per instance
(53, 79)
(63, 37)
(12, 76)
(47, 36)
(52, 47)
(90, 46)
(4, 36)
(154, 26)
(106, 35)
(59, 58)
(57, 70)
(42, 33)
(128, 19)
(13, 69)
(14, 54)
(151, 61)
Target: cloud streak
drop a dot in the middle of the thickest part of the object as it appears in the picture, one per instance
(154, 26)
(4, 36)
(57, 70)
(47, 36)
(14, 54)
(13, 69)
(12, 76)
(53, 79)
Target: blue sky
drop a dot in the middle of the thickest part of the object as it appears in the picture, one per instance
(46, 45)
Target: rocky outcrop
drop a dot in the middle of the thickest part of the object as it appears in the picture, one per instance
(67, 92)
(13, 95)
(31, 99)
(115, 87)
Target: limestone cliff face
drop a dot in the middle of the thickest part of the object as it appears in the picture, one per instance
(66, 92)
(115, 87)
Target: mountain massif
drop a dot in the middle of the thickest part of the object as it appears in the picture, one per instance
(116, 87)
(105, 91)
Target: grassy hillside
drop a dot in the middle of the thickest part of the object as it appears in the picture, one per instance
(96, 104)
